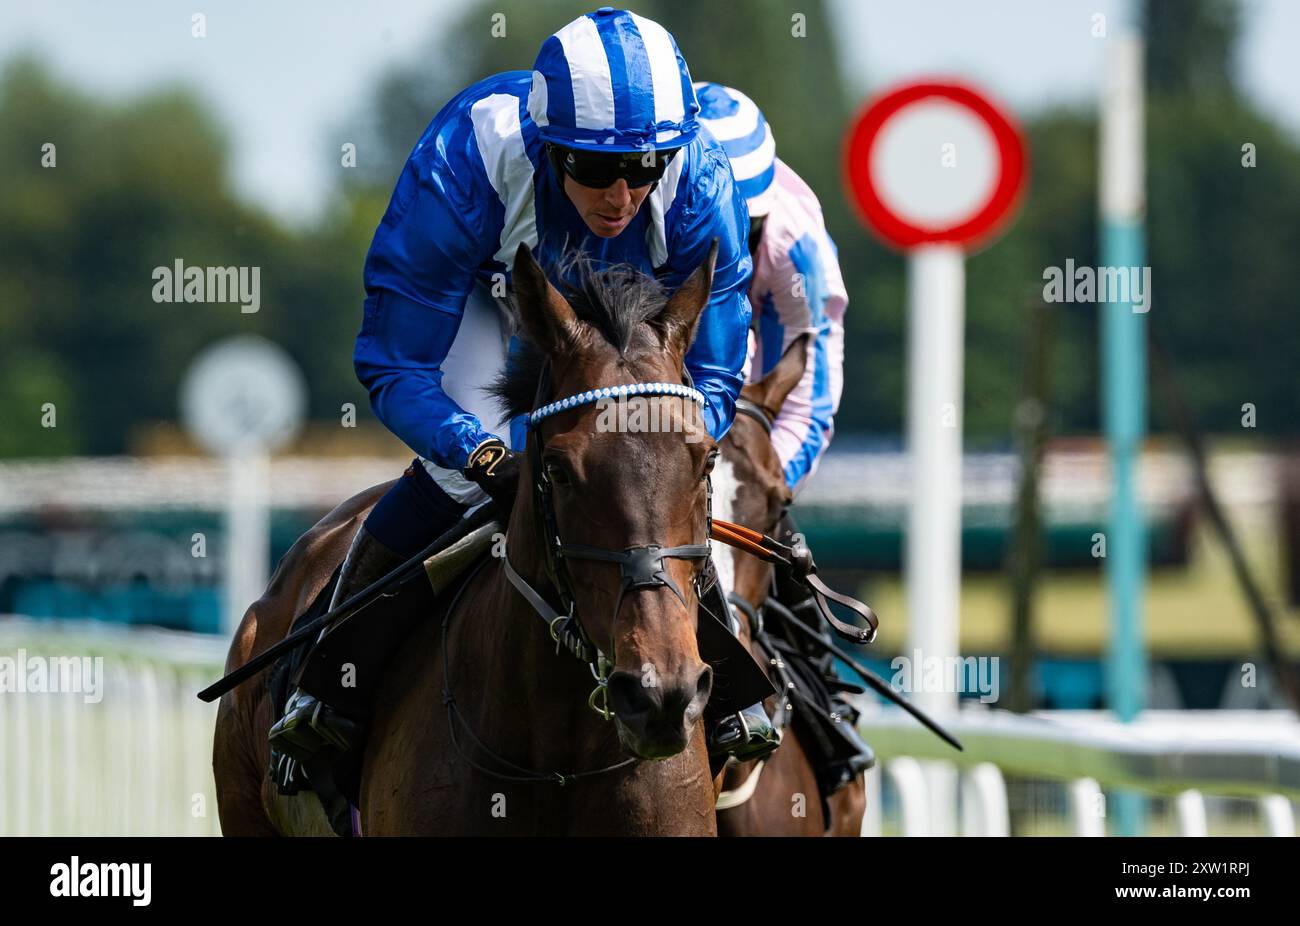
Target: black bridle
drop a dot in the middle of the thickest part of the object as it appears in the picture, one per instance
(639, 566)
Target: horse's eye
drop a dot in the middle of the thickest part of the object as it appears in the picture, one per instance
(709, 462)
(556, 473)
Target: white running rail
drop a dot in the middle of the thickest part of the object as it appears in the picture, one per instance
(134, 757)
(139, 759)
(1185, 755)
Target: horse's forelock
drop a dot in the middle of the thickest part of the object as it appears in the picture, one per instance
(615, 305)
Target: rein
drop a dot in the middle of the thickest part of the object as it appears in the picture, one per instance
(753, 410)
(798, 558)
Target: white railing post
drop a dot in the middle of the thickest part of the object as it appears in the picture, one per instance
(1191, 813)
(1087, 808)
(913, 799)
(1278, 818)
(984, 802)
(873, 816)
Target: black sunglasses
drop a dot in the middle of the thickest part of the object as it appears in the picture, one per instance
(601, 169)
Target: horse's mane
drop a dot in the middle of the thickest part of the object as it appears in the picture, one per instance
(612, 301)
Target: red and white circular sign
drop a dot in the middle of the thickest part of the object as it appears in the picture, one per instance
(932, 163)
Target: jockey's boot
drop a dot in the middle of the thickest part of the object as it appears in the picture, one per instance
(310, 724)
(747, 734)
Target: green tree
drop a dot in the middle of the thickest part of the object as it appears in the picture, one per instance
(134, 186)
(140, 183)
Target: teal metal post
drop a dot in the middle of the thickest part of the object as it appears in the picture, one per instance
(1124, 395)
(1124, 400)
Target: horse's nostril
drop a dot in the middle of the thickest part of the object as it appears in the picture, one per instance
(704, 684)
(657, 718)
(703, 688)
(629, 697)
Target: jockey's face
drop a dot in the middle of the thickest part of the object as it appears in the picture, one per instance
(607, 212)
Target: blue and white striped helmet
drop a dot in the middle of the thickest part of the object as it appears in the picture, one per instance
(745, 135)
(613, 81)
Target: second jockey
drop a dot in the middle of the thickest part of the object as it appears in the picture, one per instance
(796, 289)
(597, 149)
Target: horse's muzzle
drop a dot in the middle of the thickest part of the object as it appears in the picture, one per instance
(656, 715)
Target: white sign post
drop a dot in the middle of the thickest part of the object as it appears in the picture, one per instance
(934, 169)
(242, 399)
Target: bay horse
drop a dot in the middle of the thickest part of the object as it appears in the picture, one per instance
(482, 724)
(750, 489)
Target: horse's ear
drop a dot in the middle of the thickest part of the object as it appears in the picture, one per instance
(547, 317)
(680, 316)
(771, 391)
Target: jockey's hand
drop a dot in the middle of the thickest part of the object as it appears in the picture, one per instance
(494, 468)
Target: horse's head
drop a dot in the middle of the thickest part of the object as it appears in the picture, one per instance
(622, 480)
(750, 487)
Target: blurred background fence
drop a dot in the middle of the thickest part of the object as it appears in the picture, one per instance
(137, 761)
(1207, 773)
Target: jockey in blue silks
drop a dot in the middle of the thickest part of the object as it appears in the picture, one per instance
(554, 158)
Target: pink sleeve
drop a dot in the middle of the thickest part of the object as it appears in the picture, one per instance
(797, 267)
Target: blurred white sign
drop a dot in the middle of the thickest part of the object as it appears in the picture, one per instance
(242, 396)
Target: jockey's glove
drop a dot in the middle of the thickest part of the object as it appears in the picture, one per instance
(494, 468)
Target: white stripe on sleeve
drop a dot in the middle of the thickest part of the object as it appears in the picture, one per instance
(501, 145)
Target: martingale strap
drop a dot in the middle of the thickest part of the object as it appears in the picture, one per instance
(565, 632)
